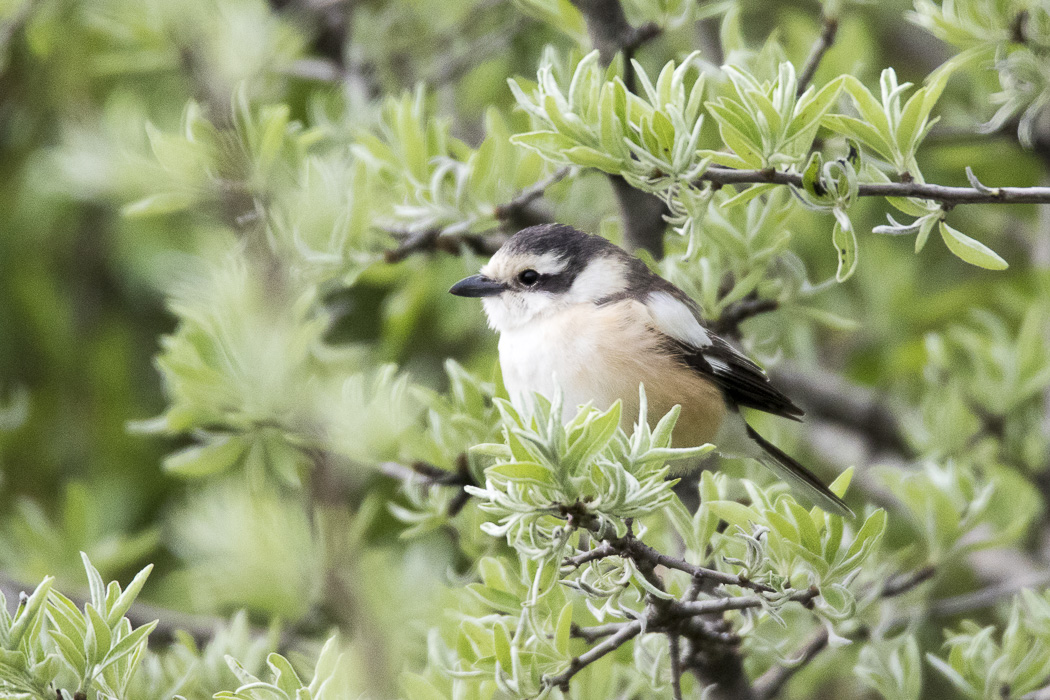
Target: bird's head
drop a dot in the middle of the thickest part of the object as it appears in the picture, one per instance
(543, 269)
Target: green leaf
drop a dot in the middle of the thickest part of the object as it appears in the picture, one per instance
(971, 251)
(869, 533)
(501, 645)
(128, 644)
(159, 204)
(416, 687)
(563, 629)
(811, 111)
(811, 175)
(748, 194)
(220, 453)
(845, 241)
(591, 158)
(71, 653)
(99, 636)
(546, 143)
(859, 130)
(95, 583)
(123, 603)
(499, 600)
(26, 614)
(523, 471)
(925, 227)
(841, 483)
(870, 108)
(734, 513)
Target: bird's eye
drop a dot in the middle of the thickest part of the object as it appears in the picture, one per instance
(528, 277)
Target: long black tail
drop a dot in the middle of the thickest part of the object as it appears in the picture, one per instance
(798, 476)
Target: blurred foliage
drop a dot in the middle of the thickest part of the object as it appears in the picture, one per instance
(228, 229)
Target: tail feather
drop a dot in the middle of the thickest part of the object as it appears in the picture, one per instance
(798, 476)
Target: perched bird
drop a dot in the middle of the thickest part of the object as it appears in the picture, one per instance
(577, 313)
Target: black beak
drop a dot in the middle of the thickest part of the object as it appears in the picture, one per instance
(477, 286)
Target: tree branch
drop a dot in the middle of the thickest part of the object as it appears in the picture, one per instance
(829, 28)
(742, 602)
(516, 206)
(629, 546)
(770, 683)
(593, 634)
(436, 476)
(485, 244)
(628, 631)
(985, 597)
(728, 324)
(642, 213)
(945, 194)
(831, 398)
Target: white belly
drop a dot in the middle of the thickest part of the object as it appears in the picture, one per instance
(547, 358)
(601, 355)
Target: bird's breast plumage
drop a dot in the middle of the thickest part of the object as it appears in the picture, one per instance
(600, 354)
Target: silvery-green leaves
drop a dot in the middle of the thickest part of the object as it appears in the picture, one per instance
(1013, 37)
(782, 544)
(594, 121)
(27, 663)
(886, 127)
(957, 509)
(588, 469)
(985, 362)
(893, 129)
(270, 175)
(742, 242)
(767, 125)
(832, 186)
(893, 667)
(331, 678)
(437, 182)
(97, 647)
(982, 661)
(509, 652)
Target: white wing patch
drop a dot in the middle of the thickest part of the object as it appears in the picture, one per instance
(675, 319)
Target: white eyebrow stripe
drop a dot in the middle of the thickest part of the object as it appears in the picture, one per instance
(507, 265)
(674, 318)
(549, 263)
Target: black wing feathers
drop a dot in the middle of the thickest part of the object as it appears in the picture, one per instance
(741, 380)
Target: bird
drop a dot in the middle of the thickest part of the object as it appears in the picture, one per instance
(579, 315)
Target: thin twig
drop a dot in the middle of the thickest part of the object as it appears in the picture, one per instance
(529, 194)
(728, 323)
(944, 194)
(437, 239)
(432, 240)
(831, 398)
(639, 551)
(770, 683)
(743, 602)
(899, 585)
(829, 28)
(985, 597)
(676, 665)
(436, 476)
(629, 631)
(593, 634)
